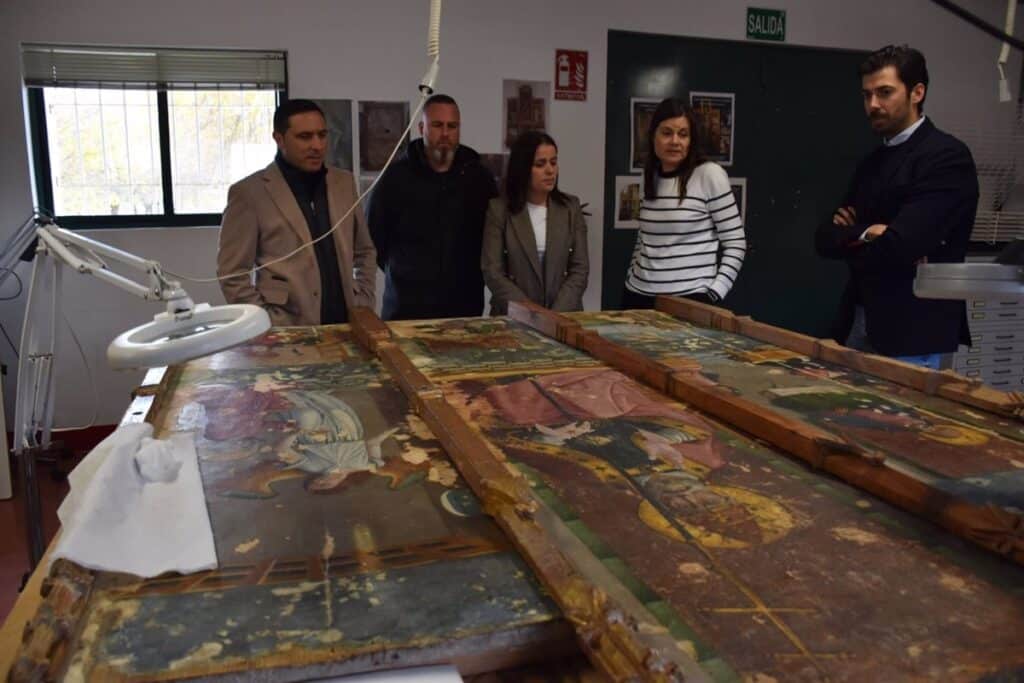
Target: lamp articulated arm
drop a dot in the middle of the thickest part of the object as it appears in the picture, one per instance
(183, 331)
(86, 255)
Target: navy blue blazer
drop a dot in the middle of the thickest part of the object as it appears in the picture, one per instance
(926, 191)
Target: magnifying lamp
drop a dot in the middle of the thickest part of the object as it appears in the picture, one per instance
(184, 330)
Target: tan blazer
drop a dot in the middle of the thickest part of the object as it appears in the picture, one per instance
(511, 265)
(263, 221)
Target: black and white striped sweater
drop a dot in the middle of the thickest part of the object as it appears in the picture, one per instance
(677, 246)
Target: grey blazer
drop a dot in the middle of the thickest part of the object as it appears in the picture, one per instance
(511, 265)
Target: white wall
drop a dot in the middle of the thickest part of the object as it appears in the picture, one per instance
(374, 49)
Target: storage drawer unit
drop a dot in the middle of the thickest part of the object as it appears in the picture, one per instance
(996, 354)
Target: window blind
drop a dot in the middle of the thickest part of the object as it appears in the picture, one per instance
(79, 66)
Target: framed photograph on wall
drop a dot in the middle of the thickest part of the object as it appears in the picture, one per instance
(716, 112)
(628, 190)
(739, 190)
(381, 124)
(525, 107)
(641, 110)
(338, 114)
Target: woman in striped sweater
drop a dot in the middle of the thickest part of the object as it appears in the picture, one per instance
(691, 241)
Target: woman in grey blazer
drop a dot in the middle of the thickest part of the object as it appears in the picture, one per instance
(535, 238)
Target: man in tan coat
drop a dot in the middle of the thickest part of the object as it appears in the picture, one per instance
(291, 202)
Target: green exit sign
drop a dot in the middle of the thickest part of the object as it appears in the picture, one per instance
(766, 24)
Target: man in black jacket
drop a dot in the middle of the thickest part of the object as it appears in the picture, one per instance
(912, 200)
(426, 217)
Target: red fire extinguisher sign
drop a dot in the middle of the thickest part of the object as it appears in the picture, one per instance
(571, 75)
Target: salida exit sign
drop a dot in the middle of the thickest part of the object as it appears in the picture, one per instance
(766, 24)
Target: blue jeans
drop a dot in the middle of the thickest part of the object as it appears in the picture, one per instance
(928, 360)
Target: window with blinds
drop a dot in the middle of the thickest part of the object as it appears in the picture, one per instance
(138, 136)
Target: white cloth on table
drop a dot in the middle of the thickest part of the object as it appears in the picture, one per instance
(136, 505)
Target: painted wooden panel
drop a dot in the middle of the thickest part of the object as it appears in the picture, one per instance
(346, 540)
(758, 566)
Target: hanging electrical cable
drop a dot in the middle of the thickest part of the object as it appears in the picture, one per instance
(980, 23)
(1004, 54)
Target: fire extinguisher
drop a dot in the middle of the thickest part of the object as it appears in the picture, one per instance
(563, 71)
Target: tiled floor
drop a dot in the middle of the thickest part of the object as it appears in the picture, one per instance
(13, 540)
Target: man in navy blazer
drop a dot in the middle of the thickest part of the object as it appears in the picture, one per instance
(912, 200)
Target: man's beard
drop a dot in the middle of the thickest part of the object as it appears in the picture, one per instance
(881, 123)
(441, 156)
(889, 124)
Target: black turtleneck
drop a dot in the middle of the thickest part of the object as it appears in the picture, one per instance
(310, 190)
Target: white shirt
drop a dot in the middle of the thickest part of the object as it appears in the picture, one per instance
(539, 220)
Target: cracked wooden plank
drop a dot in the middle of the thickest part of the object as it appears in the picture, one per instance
(47, 637)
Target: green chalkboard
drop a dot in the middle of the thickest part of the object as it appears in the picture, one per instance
(800, 130)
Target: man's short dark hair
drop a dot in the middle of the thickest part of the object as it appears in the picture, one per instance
(290, 108)
(439, 98)
(909, 63)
